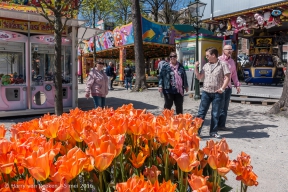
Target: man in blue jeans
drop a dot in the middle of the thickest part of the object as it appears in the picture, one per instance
(217, 77)
(226, 56)
(128, 77)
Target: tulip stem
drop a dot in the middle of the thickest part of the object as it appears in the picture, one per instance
(115, 169)
(17, 171)
(214, 180)
(101, 181)
(122, 167)
(151, 156)
(186, 182)
(166, 164)
(181, 180)
(78, 184)
(9, 181)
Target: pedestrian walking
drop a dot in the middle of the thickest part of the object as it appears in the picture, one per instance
(226, 57)
(128, 76)
(160, 65)
(97, 85)
(172, 82)
(214, 85)
(110, 72)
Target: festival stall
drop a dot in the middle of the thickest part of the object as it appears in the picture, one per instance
(265, 28)
(27, 62)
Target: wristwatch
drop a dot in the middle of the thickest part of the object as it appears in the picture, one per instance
(221, 89)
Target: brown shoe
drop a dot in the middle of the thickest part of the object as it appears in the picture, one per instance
(223, 129)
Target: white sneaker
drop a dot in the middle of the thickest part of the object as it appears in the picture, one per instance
(216, 135)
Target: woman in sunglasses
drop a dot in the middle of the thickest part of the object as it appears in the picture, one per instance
(172, 82)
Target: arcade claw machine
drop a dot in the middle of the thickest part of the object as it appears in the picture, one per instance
(263, 63)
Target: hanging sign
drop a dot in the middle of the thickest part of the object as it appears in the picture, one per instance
(22, 26)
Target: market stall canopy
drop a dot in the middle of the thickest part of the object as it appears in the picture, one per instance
(87, 32)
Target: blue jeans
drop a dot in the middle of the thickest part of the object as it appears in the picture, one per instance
(128, 80)
(206, 99)
(223, 113)
(99, 101)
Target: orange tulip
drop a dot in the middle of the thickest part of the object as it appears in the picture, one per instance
(38, 165)
(152, 173)
(39, 162)
(236, 167)
(49, 126)
(103, 155)
(198, 183)
(64, 186)
(2, 131)
(117, 125)
(72, 164)
(220, 162)
(6, 146)
(165, 186)
(186, 158)
(135, 184)
(139, 161)
(223, 146)
(248, 177)
(7, 162)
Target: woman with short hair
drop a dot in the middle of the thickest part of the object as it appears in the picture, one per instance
(97, 85)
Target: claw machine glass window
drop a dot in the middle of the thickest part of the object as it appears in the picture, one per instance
(43, 65)
(12, 68)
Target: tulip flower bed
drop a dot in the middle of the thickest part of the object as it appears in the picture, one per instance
(119, 150)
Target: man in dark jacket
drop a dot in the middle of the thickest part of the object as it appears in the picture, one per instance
(128, 77)
(111, 75)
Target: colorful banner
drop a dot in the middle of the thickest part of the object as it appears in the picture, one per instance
(124, 35)
(158, 33)
(22, 26)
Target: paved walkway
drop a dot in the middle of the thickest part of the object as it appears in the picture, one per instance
(262, 136)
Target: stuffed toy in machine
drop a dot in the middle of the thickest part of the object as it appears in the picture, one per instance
(6, 79)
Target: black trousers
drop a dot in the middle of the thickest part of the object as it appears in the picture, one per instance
(177, 99)
(112, 79)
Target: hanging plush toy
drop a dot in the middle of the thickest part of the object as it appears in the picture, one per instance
(269, 20)
(229, 26)
(260, 19)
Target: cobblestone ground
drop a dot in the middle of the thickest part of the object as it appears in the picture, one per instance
(262, 136)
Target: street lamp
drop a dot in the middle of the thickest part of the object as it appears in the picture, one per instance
(197, 10)
(81, 47)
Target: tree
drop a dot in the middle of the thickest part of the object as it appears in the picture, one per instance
(122, 10)
(171, 11)
(96, 10)
(140, 83)
(281, 107)
(62, 10)
(153, 6)
(164, 11)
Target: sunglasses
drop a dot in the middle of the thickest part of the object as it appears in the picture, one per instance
(173, 56)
